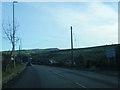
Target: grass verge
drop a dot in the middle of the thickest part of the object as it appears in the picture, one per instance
(11, 73)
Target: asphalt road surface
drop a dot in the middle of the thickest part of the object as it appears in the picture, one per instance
(40, 76)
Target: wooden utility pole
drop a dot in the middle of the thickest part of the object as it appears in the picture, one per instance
(20, 48)
(72, 57)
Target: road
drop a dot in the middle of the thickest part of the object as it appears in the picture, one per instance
(40, 76)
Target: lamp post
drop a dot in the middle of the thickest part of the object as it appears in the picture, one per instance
(14, 33)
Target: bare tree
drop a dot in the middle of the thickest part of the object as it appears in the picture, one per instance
(10, 33)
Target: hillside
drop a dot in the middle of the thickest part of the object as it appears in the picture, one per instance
(81, 55)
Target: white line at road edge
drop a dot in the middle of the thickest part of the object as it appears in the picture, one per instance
(81, 85)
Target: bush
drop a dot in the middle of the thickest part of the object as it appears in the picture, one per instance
(5, 61)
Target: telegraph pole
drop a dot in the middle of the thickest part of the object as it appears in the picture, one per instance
(72, 57)
(20, 47)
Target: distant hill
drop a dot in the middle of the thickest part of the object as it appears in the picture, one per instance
(39, 50)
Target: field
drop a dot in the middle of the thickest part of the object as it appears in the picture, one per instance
(87, 57)
(93, 53)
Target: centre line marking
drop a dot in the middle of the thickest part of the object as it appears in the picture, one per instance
(81, 85)
(59, 74)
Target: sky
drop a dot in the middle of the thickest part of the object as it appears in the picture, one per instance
(47, 24)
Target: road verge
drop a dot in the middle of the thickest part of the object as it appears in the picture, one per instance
(11, 73)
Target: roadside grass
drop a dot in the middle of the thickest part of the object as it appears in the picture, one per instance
(11, 73)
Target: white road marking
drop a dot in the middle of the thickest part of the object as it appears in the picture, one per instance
(80, 85)
(59, 74)
(56, 73)
(75, 82)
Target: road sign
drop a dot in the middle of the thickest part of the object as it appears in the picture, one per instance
(110, 52)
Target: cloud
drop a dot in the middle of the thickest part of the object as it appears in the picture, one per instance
(99, 23)
(93, 23)
(62, 0)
